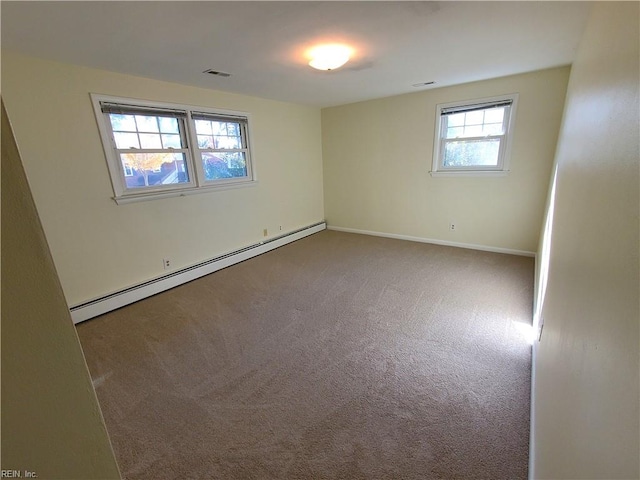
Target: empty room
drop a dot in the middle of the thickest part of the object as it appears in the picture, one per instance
(320, 240)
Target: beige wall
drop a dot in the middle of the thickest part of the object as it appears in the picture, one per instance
(378, 154)
(98, 246)
(51, 422)
(586, 394)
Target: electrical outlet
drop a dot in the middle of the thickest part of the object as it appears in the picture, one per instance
(265, 232)
(280, 227)
(166, 263)
(452, 226)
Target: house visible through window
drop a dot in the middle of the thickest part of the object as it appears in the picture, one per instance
(474, 137)
(157, 149)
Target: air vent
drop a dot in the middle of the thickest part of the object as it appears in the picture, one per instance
(217, 73)
(423, 84)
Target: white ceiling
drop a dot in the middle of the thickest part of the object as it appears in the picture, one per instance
(262, 43)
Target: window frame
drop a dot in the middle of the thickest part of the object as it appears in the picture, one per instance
(506, 137)
(243, 121)
(197, 182)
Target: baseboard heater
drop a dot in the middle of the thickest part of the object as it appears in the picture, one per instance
(107, 303)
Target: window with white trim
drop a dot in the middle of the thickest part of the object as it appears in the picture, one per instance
(157, 150)
(474, 137)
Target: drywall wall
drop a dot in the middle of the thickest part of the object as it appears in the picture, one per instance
(585, 392)
(99, 246)
(378, 154)
(51, 422)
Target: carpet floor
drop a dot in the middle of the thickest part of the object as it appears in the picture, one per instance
(338, 356)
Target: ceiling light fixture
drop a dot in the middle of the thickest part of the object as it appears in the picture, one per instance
(329, 57)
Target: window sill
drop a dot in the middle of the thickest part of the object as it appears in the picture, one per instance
(143, 197)
(470, 173)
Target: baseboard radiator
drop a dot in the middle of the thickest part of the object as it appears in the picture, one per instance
(107, 303)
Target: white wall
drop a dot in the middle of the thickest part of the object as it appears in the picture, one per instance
(586, 394)
(51, 421)
(100, 247)
(378, 154)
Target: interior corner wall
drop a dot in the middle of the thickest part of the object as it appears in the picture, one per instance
(52, 426)
(378, 155)
(585, 419)
(100, 247)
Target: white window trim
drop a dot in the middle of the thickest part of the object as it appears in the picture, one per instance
(197, 182)
(437, 170)
(224, 182)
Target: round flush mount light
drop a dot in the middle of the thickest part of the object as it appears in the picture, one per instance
(329, 57)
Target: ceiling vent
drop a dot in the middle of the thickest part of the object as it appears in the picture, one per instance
(217, 73)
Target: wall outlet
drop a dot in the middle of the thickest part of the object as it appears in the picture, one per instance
(280, 227)
(265, 232)
(452, 226)
(166, 263)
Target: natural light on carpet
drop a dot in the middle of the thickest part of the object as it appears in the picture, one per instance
(527, 331)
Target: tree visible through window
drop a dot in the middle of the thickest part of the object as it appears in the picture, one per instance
(156, 148)
(145, 145)
(474, 136)
(222, 146)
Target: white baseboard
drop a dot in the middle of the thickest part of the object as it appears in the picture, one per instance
(107, 303)
(471, 246)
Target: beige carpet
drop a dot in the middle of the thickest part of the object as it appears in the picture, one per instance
(338, 356)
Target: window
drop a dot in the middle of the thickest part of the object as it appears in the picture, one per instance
(159, 150)
(474, 137)
(222, 146)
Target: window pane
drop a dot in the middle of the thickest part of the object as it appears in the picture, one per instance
(474, 118)
(473, 131)
(122, 122)
(455, 120)
(213, 134)
(476, 123)
(494, 115)
(227, 142)
(205, 141)
(492, 129)
(171, 141)
(146, 123)
(168, 125)
(219, 128)
(454, 132)
(471, 153)
(154, 169)
(220, 165)
(203, 127)
(233, 129)
(126, 140)
(150, 140)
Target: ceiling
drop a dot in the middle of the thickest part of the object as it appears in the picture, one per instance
(262, 44)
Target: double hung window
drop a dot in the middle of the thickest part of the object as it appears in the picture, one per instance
(155, 149)
(474, 137)
(222, 145)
